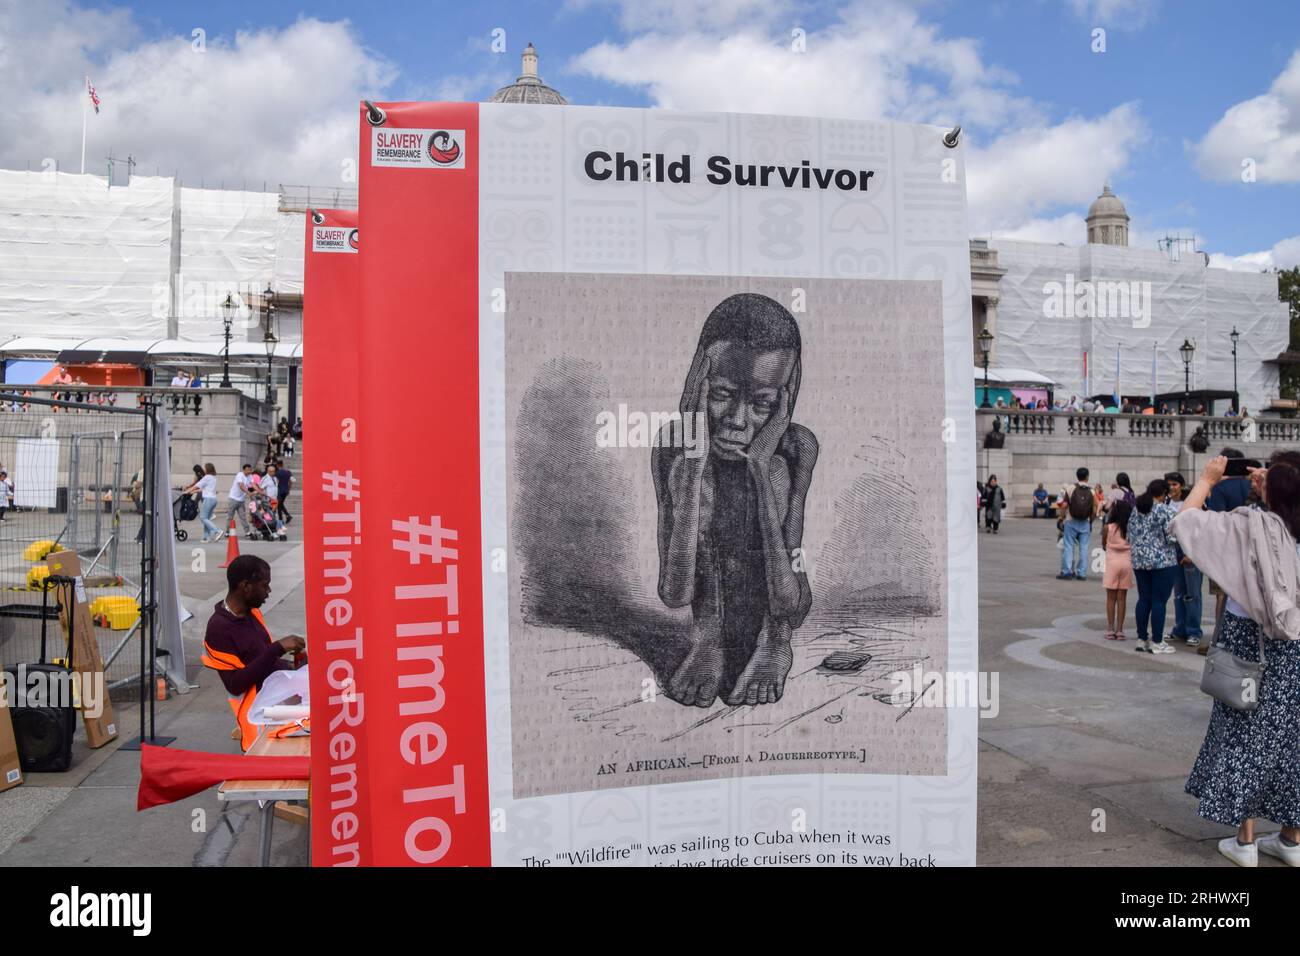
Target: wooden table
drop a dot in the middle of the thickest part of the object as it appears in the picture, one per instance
(268, 792)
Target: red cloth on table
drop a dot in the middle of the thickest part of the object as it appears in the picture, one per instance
(168, 775)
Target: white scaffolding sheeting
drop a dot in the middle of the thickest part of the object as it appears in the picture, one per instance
(228, 243)
(289, 249)
(82, 258)
(1146, 305)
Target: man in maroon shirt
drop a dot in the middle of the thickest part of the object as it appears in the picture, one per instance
(238, 645)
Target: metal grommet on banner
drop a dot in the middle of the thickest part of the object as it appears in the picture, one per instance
(950, 138)
(317, 218)
(374, 115)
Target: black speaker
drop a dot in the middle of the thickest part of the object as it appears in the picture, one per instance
(44, 719)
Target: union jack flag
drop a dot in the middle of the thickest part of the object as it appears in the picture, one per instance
(94, 97)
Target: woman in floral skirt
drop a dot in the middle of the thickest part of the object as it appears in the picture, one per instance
(1249, 764)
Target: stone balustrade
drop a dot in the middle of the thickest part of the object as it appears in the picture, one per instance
(1047, 446)
(218, 425)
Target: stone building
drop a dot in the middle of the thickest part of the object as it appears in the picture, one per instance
(529, 88)
(1105, 316)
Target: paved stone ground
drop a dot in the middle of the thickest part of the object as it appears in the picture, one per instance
(1085, 725)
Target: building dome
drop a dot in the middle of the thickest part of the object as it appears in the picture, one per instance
(1107, 220)
(529, 88)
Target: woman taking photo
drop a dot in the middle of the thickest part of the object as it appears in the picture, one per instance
(1155, 564)
(1248, 765)
(1118, 577)
(206, 485)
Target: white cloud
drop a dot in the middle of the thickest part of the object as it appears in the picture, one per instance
(272, 106)
(1033, 169)
(1265, 129)
(883, 60)
(1068, 228)
(1284, 255)
(879, 59)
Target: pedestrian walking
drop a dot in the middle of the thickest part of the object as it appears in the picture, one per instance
(206, 486)
(994, 501)
(1155, 564)
(284, 482)
(238, 498)
(1117, 578)
(1247, 767)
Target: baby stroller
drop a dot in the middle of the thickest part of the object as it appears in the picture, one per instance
(184, 508)
(262, 517)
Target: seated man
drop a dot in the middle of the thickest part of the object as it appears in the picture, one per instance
(1041, 501)
(239, 647)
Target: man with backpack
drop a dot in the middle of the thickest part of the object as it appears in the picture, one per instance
(1080, 507)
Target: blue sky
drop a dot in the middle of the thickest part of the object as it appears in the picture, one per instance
(1181, 95)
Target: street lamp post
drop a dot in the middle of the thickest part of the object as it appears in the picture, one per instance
(227, 318)
(269, 340)
(1234, 336)
(1186, 350)
(986, 343)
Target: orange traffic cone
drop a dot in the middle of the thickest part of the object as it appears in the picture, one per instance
(232, 545)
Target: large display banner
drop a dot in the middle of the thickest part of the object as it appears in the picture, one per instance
(674, 562)
(330, 482)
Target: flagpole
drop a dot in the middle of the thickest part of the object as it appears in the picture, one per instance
(85, 92)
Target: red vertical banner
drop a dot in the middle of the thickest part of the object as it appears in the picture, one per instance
(331, 490)
(418, 359)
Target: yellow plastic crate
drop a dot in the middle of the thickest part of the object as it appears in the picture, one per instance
(37, 550)
(36, 576)
(109, 602)
(123, 618)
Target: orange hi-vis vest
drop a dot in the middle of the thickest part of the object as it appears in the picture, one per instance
(243, 706)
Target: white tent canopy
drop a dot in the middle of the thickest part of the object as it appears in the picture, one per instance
(160, 351)
(1013, 376)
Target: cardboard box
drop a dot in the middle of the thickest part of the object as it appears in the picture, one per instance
(86, 658)
(11, 774)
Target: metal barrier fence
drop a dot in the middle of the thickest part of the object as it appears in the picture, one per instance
(77, 480)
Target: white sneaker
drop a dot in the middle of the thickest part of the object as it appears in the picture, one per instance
(1164, 647)
(1273, 846)
(1247, 855)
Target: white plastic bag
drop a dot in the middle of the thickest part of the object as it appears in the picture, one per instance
(275, 702)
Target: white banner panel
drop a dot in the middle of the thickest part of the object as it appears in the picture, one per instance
(632, 704)
(36, 472)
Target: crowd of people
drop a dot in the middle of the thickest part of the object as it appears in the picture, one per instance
(1127, 407)
(1237, 527)
(282, 442)
(257, 499)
